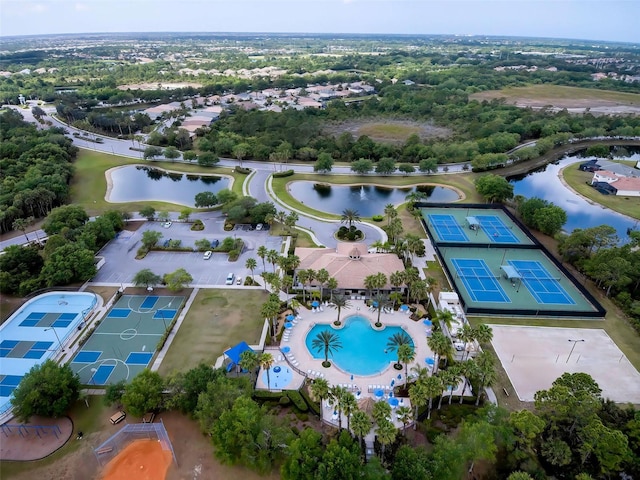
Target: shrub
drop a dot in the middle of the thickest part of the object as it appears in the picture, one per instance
(377, 218)
(286, 173)
(228, 226)
(243, 170)
(233, 255)
(298, 400)
(284, 401)
(197, 225)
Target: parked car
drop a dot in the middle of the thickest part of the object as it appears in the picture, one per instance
(167, 224)
(230, 278)
(259, 226)
(207, 254)
(459, 346)
(239, 281)
(215, 243)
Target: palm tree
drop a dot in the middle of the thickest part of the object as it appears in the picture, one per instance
(432, 283)
(453, 377)
(338, 395)
(397, 340)
(405, 415)
(379, 302)
(287, 283)
(272, 258)
(483, 333)
(294, 305)
(327, 341)
(390, 211)
(386, 433)
(319, 389)
(350, 216)
(418, 396)
(418, 290)
(332, 284)
(22, 224)
(361, 426)
(446, 317)
(396, 279)
(266, 362)
(467, 334)
(270, 310)
(441, 347)
(249, 361)
(303, 276)
(323, 277)
(251, 264)
(381, 412)
(369, 283)
(486, 372)
(414, 243)
(311, 276)
(349, 405)
(262, 253)
(469, 369)
(411, 275)
(406, 355)
(432, 388)
(340, 302)
(420, 372)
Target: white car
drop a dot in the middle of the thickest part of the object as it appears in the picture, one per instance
(167, 224)
(239, 281)
(207, 254)
(259, 226)
(459, 346)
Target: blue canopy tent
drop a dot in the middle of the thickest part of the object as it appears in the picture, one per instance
(234, 353)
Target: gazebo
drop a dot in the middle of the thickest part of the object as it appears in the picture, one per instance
(234, 354)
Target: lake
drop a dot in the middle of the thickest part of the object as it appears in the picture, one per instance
(136, 183)
(367, 200)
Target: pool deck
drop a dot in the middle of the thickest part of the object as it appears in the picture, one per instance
(307, 364)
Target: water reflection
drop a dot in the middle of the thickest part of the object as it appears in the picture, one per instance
(368, 200)
(139, 183)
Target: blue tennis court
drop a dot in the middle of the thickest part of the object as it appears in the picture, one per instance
(139, 358)
(477, 278)
(496, 230)
(447, 228)
(544, 288)
(102, 374)
(119, 313)
(87, 357)
(165, 314)
(149, 302)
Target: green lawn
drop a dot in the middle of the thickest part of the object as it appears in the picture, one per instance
(89, 184)
(578, 179)
(217, 320)
(558, 92)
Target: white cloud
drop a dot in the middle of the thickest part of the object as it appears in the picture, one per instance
(37, 8)
(82, 7)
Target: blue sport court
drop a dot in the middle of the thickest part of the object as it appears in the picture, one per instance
(544, 288)
(480, 283)
(495, 229)
(447, 228)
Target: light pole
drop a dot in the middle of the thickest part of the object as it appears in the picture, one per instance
(574, 346)
(57, 337)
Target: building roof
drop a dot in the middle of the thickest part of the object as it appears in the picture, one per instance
(350, 263)
(627, 184)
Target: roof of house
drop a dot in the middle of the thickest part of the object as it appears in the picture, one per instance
(627, 184)
(350, 263)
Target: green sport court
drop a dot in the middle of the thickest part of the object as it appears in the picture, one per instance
(498, 267)
(126, 339)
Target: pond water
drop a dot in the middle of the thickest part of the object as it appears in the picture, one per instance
(135, 183)
(544, 183)
(368, 200)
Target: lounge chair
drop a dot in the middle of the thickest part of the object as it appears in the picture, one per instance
(309, 372)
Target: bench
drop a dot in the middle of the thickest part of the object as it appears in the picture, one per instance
(104, 450)
(505, 391)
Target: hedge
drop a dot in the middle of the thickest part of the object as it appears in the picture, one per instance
(243, 170)
(298, 400)
(286, 173)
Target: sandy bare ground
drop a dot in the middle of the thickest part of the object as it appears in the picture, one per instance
(30, 445)
(388, 130)
(534, 357)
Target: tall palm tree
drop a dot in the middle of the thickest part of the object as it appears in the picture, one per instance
(418, 290)
(340, 302)
(414, 243)
(441, 347)
(469, 369)
(432, 283)
(311, 276)
(486, 373)
(322, 276)
(395, 341)
(444, 316)
(303, 276)
(390, 211)
(319, 389)
(287, 283)
(380, 281)
(262, 253)
(270, 310)
(404, 415)
(484, 333)
(249, 361)
(272, 258)
(266, 362)
(332, 284)
(411, 275)
(350, 216)
(379, 302)
(369, 284)
(467, 334)
(349, 405)
(361, 426)
(381, 412)
(338, 395)
(453, 377)
(418, 396)
(420, 372)
(251, 264)
(328, 342)
(406, 355)
(386, 433)
(396, 279)
(432, 388)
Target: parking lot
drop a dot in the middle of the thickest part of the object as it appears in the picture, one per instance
(121, 265)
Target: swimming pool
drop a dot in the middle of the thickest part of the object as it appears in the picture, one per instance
(364, 350)
(36, 332)
(280, 376)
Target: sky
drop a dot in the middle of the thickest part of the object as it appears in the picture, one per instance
(613, 20)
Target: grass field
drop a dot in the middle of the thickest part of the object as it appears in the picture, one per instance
(578, 179)
(217, 320)
(394, 132)
(387, 130)
(560, 96)
(89, 183)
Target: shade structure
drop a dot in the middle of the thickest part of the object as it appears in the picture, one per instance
(393, 401)
(286, 349)
(315, 304)
(288, 324)
(379, 393)
(404, 308)
(290, 317)
(366, 404)
(430, 361)
(427, 322)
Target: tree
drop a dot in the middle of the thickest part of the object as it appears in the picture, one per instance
(22, 224)
(395, 341)
(319, 389)
(205, 200)
(385, 166)
(151, 152)
(69, 263)
(386, 434)
(361, 426)
(406, 355)
(441, 347)
(350, 217)
(148, 212)
(144, 393)
(171, 153)
(185, 214)
(150, 238)
(272, 258)
(262, 253)
(322, 276)
(19, 265)
(494, 188)
(362, 166)
(266, 361)
(432, 388)
(428, 165)
(324, 164)
(328, 342)
(241, 151)
(418, 396)
(251, 264)
(406, 168)
(549, 220)
(291, 220)
(178, 280)
(146, 278)
(67, 216)
(486, 374)
(113, 393)
(340, 302)
(186, 387)
(189, 156)
(48, 389)
(249, 361)
(305, 453)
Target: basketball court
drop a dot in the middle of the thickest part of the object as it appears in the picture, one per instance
(534, 357)
(126, 339)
